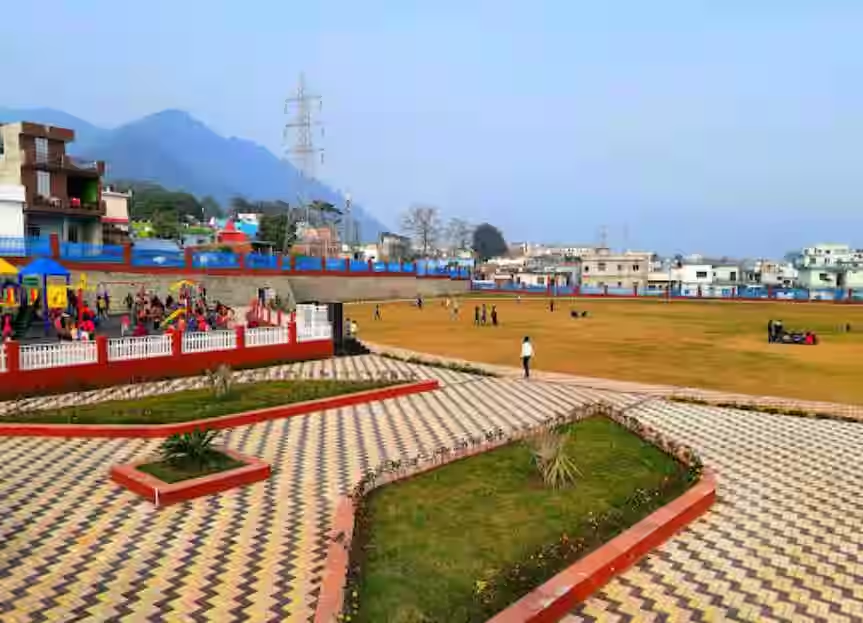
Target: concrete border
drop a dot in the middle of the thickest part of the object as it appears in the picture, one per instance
(149, 431)
(164, 494)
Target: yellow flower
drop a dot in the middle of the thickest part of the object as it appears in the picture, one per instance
(480, 586)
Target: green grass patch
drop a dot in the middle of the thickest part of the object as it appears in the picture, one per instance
(464, 541)
(196, 404)
(177, 471)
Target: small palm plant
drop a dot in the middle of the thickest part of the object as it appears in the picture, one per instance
(191, 448)
(552, 458)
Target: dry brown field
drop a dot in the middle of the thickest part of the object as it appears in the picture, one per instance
(709, 345)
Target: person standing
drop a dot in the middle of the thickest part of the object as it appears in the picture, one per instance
(526, 355)
(476, 315)
(454, 312)
(494, 315)
(377, 312)
(770, 331)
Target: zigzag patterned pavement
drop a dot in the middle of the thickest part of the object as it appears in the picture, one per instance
(781, 544)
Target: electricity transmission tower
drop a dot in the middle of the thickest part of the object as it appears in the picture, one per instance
(299, 138)
(351, 230)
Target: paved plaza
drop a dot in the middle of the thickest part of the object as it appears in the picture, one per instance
(781, 543)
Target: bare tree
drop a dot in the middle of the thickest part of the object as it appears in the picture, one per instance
(459, 234)
(423, 224)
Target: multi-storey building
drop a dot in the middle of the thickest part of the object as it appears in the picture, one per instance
(62, 194)
(602, 267)
(830, 266)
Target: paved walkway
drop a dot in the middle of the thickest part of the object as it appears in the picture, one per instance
(782, 543)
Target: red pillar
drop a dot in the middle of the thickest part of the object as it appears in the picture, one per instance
(605, 290)
(189, 262)
(280, 261)
(177, 344)
(371, 268)
(102, 350)
(292, 330)
(241, 261)
(577, 290)
(241, 336)
(55, 246)
(699, 291)
(13, 357)
(127, 253)
(292, 262)
(634, 289)
(279, 317)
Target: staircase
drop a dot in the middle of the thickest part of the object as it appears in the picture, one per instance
(352, 347)
(22, 321)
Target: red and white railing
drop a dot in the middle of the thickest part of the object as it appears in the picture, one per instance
(128, 348)
(205, 342)
(266, 336)
(59, 355)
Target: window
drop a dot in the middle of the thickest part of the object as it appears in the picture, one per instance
(33, 231)
(701, 274)
(540, 281)
(732, 276)
(43, 183)
(72, 233)
(620, 268)
(824, 277)
(619, 284)
(601, 267)
(636, 267)
(1, 145)
(41, 150)
(586, 268)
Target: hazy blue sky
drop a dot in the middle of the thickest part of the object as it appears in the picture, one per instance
(712, 125)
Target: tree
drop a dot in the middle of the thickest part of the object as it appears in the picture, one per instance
(488, 242)
(149, 198)
(241, 205)
(279, 229)
(459, 234)
(166, 224)
(423, 224)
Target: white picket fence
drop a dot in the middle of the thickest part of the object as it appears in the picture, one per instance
(203, 342)
(128, 348)
(313, 323)
(266, 336)
(59, 355)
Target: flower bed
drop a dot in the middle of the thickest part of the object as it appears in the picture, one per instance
(233, 471)
(468, 539)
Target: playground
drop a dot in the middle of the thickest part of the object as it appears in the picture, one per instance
(709, 345)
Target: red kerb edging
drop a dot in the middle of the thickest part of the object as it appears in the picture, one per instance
(163, 493)
(217, 423)
(555, 598)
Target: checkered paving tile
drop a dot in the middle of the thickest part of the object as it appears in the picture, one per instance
(782, 543)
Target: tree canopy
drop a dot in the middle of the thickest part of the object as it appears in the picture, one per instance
(423, 224)
(488, 242)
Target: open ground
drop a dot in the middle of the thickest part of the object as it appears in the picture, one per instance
(710, 345)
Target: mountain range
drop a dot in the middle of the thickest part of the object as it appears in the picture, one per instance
(175, 150)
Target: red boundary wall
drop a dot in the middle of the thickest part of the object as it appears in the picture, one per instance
(551, 601)
(149, 431)
(16, 382)
(164, 494)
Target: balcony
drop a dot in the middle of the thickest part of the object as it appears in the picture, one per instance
(71, 207)
(62, 162)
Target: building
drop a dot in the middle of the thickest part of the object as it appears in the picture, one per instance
(12, 197)
(830, 266)
(62, 194)
(394, 247)
(115, 223)
(602, 267)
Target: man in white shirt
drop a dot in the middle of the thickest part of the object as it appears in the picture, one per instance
(526, 354)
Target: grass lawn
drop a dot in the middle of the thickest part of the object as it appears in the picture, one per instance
(710, 345)
(176, 472)
(429, 539)
(196, 404)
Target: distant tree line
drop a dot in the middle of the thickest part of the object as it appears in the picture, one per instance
(425, 226)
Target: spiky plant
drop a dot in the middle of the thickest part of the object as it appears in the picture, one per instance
(220, 380)
(195, 447)
(552, 459)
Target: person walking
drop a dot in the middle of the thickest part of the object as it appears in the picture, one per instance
(454, 310)
(526, 355)
(484, 316)
(476, 315)
(377, 312)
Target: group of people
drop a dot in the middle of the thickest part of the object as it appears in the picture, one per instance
(776, 333)
(187, 312)
(481, 315)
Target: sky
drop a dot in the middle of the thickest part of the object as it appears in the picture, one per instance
(726, 127)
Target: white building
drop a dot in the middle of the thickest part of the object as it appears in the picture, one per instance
(12, 199)
(830, 266)
(602, 268)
